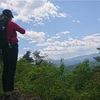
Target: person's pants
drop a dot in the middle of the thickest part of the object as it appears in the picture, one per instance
(9, 67)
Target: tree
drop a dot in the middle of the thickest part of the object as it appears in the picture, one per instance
(81, 74)
(92, 86)
(98, 57)
(38, 58)
(27, 56)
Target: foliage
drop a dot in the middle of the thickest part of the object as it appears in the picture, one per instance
(52, 82)
(27, 56)
(98, 57)
(38, 58)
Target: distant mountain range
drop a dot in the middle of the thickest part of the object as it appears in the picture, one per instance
(79, 59)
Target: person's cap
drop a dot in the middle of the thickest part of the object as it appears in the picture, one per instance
(7, 12)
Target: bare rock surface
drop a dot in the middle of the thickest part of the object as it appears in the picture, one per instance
(16, 95)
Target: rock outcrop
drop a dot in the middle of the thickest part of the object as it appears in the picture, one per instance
(17, 96)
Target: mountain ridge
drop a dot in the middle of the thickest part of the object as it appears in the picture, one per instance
(76, 60)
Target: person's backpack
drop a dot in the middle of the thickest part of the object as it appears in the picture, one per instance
(3, 24)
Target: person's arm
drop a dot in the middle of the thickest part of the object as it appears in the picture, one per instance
(16, 27)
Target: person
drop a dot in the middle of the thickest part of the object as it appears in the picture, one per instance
(10, 51)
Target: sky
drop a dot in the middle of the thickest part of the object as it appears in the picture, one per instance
(57, 28)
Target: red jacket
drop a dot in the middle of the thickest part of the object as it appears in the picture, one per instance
(13, 27)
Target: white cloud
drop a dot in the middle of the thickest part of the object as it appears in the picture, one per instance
(49, 40)
(33, 36)
(77, 21)
(59, 35)
(56, 36)
(68, 48)
(65, 32)
(26, 48)
(32, 10)
(20, 56)
(92, 38)
(98, 19)
(71, 47)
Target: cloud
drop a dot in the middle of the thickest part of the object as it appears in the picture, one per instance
(26, 48)
(71, 47)
(33, 36)
(68, 48)
(65, 32)
(20, 56)
(77, 21)
(98, 19)
(56, 36)
(32, 10)
(92, 38)
(59, 35)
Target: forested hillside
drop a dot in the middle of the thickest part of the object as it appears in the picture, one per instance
(50, 82)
